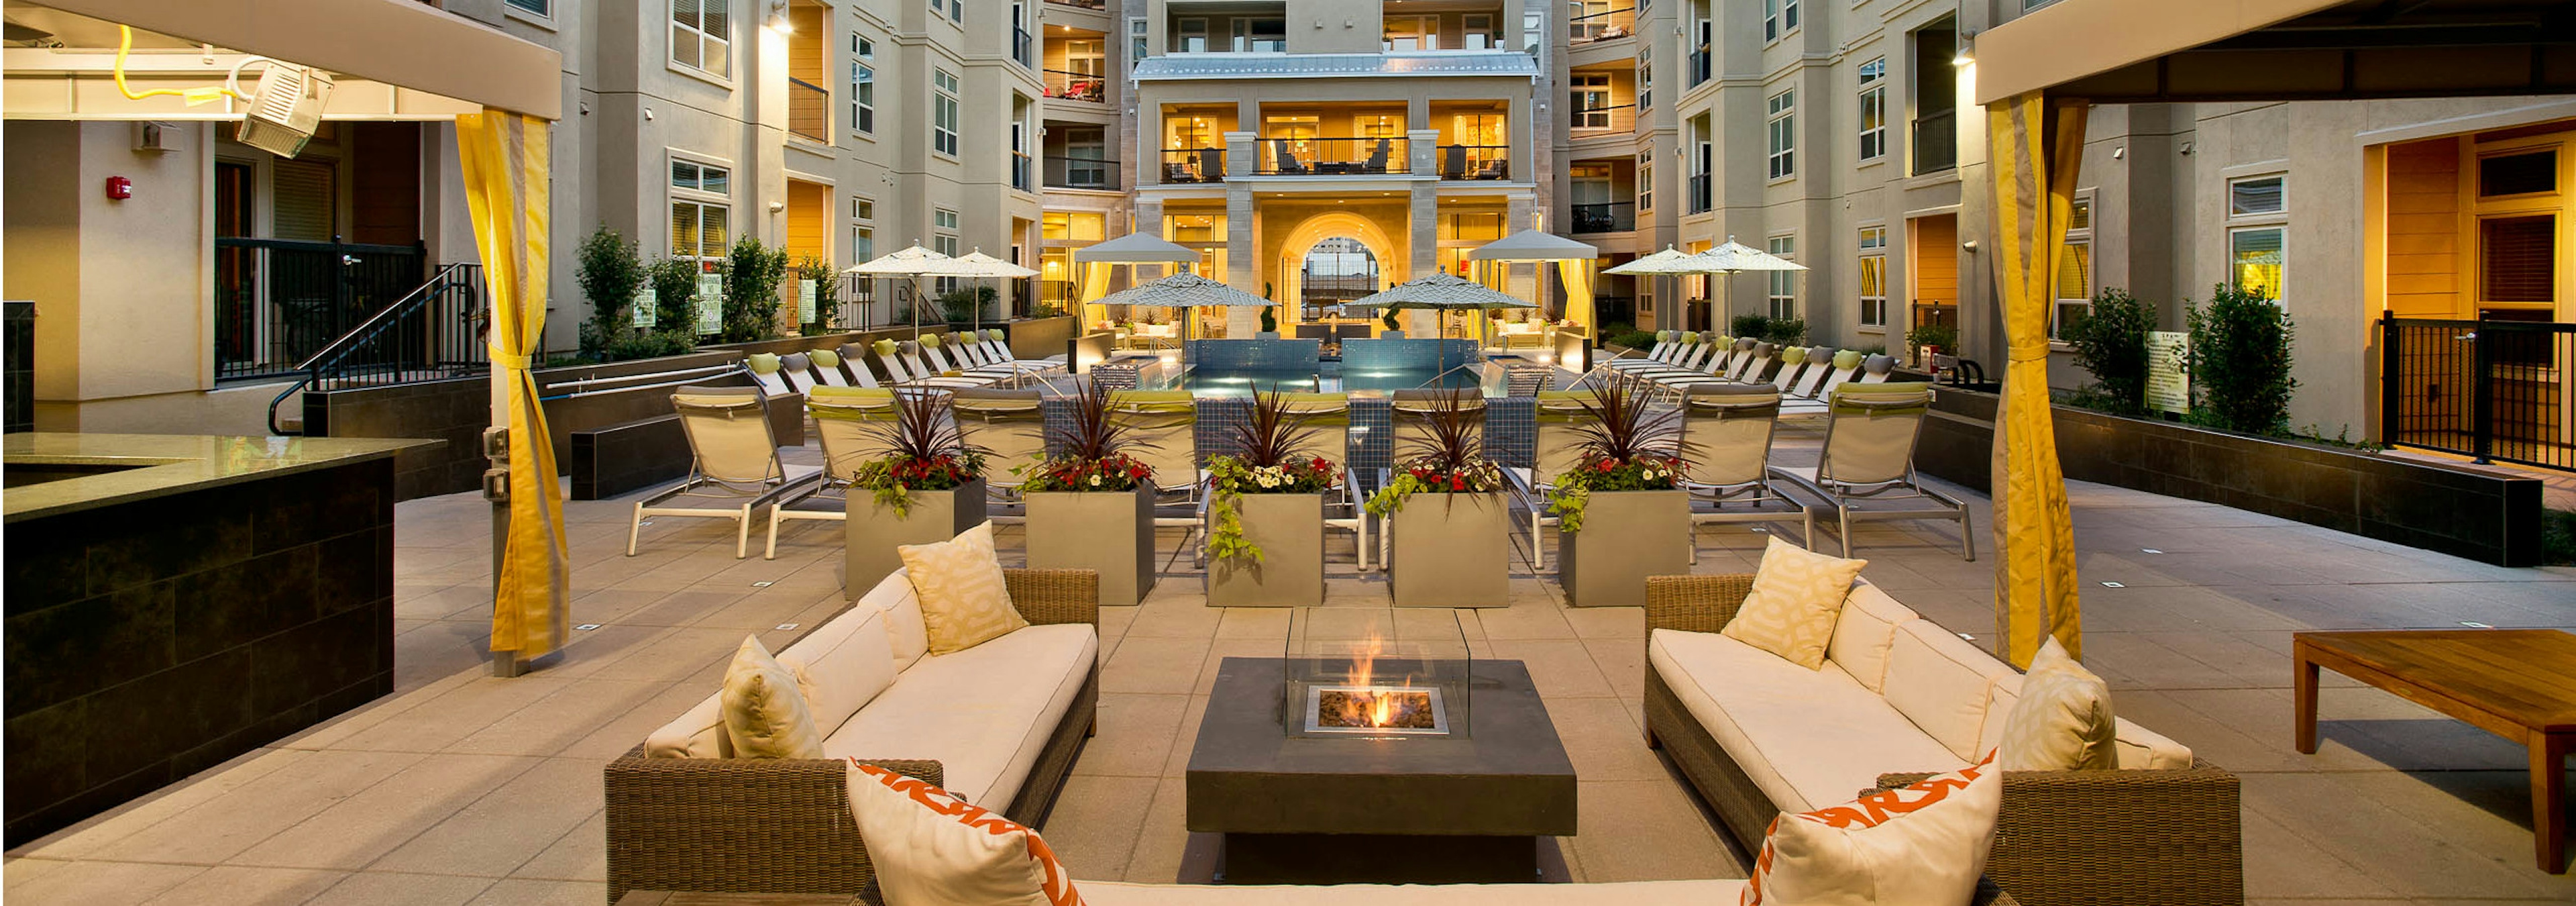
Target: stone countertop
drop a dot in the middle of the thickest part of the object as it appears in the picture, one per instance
(156, 465)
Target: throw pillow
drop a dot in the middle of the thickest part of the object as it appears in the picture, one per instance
(964, 602)
(764, 712)
(1923, 845)
(1796, 596)
(933, 849)
(2063, 721)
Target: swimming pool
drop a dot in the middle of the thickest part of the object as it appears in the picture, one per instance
(1326, 377)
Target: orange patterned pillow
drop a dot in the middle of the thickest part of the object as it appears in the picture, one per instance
(932, 848)
(1923, 845)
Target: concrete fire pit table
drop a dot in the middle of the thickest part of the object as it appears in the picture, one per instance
(1412, 809)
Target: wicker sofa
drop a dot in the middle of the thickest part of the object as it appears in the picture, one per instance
(1000, 722)
(1900, 697)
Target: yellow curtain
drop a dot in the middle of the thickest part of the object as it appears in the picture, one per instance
(1092, 282)
(506, 182)
(2036, 147)
(1577, 275)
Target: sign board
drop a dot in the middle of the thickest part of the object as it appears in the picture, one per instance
(642, 306)
(710, 303)
(804, 301)
(2168, 385)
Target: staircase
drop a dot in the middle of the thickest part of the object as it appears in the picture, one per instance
(434, 333)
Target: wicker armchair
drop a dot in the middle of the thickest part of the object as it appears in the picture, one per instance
(2145, 837)
(783, 825)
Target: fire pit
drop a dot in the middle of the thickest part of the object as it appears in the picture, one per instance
(1368, 672)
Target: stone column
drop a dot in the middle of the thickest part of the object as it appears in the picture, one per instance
(1424, 253)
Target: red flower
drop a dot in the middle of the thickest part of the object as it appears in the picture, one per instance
(1458, 483)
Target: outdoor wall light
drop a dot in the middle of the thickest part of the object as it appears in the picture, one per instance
(1967, 55)
(778, 21)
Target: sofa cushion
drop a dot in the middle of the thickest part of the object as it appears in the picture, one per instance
(700, 733)
(930, 849)
(1796, 595)
(1863, 633)
(2142, 749)
(1805, 737)
(1612, 893)
(2061, 720)
(984, 713)
(964, 600)
(846, 662)
(1922, 845)
(1941, 683)
(894, 595)
(764, 712)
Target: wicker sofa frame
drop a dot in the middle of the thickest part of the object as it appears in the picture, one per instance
(2149, 838)
(783, 825)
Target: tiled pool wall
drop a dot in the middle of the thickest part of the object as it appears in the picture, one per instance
(1423, 355)
(1256, 355)
(1511, 429)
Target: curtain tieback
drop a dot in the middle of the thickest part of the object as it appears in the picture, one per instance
(513, 362)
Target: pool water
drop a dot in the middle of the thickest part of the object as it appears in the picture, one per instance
(1327, 377)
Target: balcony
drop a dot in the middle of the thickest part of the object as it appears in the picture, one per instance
(1082, 173)
(809, 111)
(1596, 122)
(1475, 162)
(1936, 142)
(1608, 217)
(1699, 65)
(1021, 164)
(1024, 47)
(1699, 194)
(1187, 165)
(1333, 156)
(1076, 86)
(1602, 26)
(1083, 4)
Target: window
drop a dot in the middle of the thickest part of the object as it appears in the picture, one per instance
(1139, 38)
(1191, 37)
(701, 35)
(1478, 32)
(1591, 100)
(1779, 17)
(863, 232)
(1784, 133)
(943, 112)
(2517, 260)
(956, 9)
(1646, 179)
(539, 7)
(1260, 36)
(2255, 197)
(863, 84)
(1873, 276)
(1873, 109)
(2075, 271)
(2254, 260)
(2518, 173)
(1935, 136)
(1077, 226)
(1412, 33)
(1784, 284)
(1646, 76)
(700, 213)
(943, 239)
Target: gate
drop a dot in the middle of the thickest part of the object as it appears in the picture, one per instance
(2494, 390)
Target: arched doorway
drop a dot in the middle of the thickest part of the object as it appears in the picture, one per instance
(1336, 270)
(1344, 230)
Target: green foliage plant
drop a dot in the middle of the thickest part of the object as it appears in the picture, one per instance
(961, 305)
(1090, 451)
(610, 269)
(1389, 320)
(2239, 357)
(752, 272)
(2110, 341)
(921, 448)
(1941, 335)
(813, 267)
(1449, 459)
(1270, 320)
(1625, 445)
(1272, 456)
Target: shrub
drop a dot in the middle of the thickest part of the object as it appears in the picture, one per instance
(1784, 331)
(962, 304)
(813, 267)
(2558, 537)
(2111, 342)
(752, 272)
(1389, 320)
(1941, 335)
(1751, 326)
(675, 293)
(2239, 357)
(1631, 338)
(1270, 320)
(611, 269)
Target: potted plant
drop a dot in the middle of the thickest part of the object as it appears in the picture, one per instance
(1453, 550)
(1621, 513)
(1090, 505)
(1266, 512)
(925, 486)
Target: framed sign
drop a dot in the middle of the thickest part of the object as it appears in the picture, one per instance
(710, 303)
(2168, 384)
(642, 306)
(804, 301)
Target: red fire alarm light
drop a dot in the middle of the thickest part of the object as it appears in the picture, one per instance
(120, 188)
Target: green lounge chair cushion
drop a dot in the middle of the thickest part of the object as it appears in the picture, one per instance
(763, 363)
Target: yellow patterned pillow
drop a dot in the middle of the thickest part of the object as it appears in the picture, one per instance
(1796, 596)
(764, 710)
(2063, 721)
(963, 600)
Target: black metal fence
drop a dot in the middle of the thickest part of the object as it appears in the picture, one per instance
(1608, 217)
(279, 301)
(2495, 390)
(439, 330)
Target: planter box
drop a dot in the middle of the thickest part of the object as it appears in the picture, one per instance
(1626, 536)
(1289, 529)
(874, 531)
(1451, 550)
(1109, 532)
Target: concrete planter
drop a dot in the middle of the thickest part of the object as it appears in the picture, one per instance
(1451, 550)
(1111, 532)
(874, 531)
(1289, 529)
(1626, 536)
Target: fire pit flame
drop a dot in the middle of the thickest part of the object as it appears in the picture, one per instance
(1369, 704)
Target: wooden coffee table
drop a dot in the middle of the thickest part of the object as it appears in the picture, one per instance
(2516, 683)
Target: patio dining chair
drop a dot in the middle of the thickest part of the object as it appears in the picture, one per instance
(1866, 470)
(1329, 415)
(1562, 417)
(734, 467)
(1162, 430)
(840, 415)
(1730, 427)
(1011, 430)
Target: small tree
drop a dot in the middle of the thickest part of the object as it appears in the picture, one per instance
(752, 272)
(675, 290)
(1389, 320)
(1269, 320)
(611, 269)
(2111, 342)
(2240, 362)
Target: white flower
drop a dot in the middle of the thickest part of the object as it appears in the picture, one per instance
(1095, 481)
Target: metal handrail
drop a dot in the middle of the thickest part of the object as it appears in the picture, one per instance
(334, 354)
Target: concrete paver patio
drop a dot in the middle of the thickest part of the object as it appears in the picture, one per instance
(463, 788)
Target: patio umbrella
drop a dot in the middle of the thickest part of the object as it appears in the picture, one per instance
(1574, 262)
(1732, 257)
(1671, 262)
(976, 265)
(1185, 291)
(913, 262)
(1442, 292)
(1130, 249)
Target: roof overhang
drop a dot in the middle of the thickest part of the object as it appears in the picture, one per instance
(2123, 51)
(423, 62)
(1420, 64)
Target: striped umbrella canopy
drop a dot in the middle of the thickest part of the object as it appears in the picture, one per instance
(1443, 291)
(1671, 262)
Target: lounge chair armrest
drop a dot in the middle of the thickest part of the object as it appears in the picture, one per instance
(2120, 837)
(1046, 596)
(737, 824)
(1695, 603)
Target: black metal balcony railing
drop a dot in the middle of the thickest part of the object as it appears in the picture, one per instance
(1333, 156)
(1601, 119)
(1076, 86)
(436, 331)
(1193, 164)
(1475, 162)
(1602, 26)
(1610, 217)
(2493, 389)
(1085, 4)
(1021, 176)
(1936, 314)
(1067, 172)
(1936, 142)
(1024, 47)
(1699, 64)
(1700, 201)
(279, 301)
(809, 110)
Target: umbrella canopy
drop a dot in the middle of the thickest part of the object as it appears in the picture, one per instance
(1447, 292)
(911, 262)
(1136, 248)
(1532, 245)
(1670, 262)
(1734, 257)
(974, 264)
(1184, 291)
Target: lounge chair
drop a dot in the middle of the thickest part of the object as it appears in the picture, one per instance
(840, 415)
(764, 367)
(1008, 426)
(1287, 159)
(1666, 355)
(827, 366)
(1377, 159)
(935, 350)
(998, 348)
(1162, 430)
(734, 467)
(1793, 361)
(855, 355)
(1876, 370)
(1868, 461)
(1822, 361)
(1753, 361)
(890, 355)
(1809, 397)
(798, 370)
(1729, 427)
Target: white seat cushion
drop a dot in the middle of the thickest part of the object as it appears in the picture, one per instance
(2144, 749)
(1805, 737)
(1616, 893)
(984, 713)
(904, 629)
(1864, 632)
(845, 663)
(1942, 683)
(700, 733)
